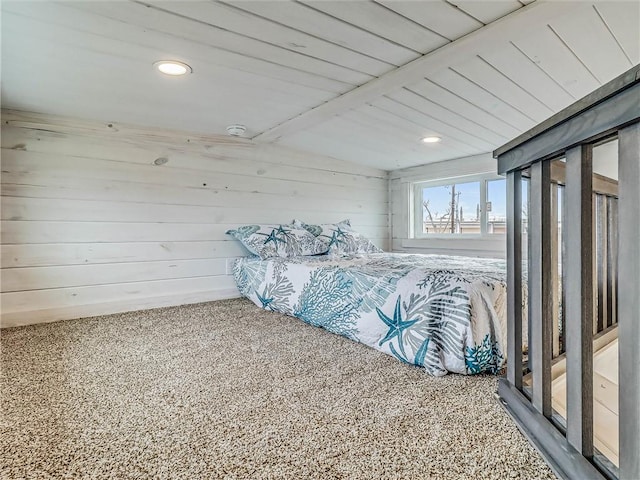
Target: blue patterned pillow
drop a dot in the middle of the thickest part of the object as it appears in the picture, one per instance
(278, 240)
(323, 230)
(340, 238)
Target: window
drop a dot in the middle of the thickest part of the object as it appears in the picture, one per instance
(475, 207)
(497, 206)
(453, 208)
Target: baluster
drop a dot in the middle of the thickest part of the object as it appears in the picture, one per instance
(629, 300)
(540, 296)
(514, 279)
(579, 298)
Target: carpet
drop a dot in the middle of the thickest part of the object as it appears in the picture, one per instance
(226, 390)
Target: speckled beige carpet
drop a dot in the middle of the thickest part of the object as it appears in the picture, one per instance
(225, 390)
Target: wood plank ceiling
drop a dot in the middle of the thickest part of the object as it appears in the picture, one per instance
(357, 80)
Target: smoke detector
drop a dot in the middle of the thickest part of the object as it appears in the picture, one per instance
(236, 130)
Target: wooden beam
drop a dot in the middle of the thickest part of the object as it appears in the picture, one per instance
(600, 183)
(514, 279)
(171, 142)
(71, 125)
(601, 94)
(599, 122)
(492, 36)
(563, 459)
(629, 300)
(579, 299)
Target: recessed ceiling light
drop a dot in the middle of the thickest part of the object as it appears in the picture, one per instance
(431, 139)
(171, 67)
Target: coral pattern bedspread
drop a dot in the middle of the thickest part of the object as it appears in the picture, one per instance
(445, 313)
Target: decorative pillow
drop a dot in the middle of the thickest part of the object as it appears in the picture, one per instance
(340, 238)
(323, 230)
(278, 240)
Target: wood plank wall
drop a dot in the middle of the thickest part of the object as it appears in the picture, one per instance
(90, 225)
(400, 187)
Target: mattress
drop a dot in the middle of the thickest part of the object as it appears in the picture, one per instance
(443, 313)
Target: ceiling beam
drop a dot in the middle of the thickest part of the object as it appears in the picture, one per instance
(494, 35)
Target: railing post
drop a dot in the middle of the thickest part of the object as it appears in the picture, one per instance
(540, 295)
(612, 261)
(601, 261)
(555, 280)
(579, 298)
(563, 266)
(514, 279)
(629, 300)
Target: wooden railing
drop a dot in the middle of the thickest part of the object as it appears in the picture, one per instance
(582, 279)
(605, 230)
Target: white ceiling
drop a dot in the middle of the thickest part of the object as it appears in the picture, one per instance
(357, 80)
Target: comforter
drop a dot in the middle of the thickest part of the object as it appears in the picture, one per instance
(446, 314)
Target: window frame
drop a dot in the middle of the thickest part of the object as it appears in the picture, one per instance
(416, 206)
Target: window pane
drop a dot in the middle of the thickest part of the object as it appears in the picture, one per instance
(451, 209)
(497, 206)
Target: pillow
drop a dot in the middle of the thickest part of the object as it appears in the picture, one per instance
(278, 240)
(323, 230)
(340, 238)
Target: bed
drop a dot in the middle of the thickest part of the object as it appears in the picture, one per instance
(444, 313)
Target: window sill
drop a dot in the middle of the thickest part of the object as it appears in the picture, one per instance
(476, 242)
(497, 238)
